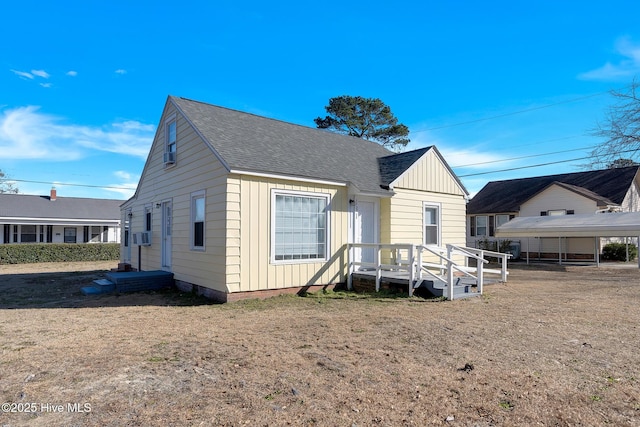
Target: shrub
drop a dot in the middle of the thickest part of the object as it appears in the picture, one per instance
(618, 252)
(24, 253)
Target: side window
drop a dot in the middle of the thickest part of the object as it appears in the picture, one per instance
(431, 221)
(147, 218)
(198, 220)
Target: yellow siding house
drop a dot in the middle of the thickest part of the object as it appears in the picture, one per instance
(237, 205)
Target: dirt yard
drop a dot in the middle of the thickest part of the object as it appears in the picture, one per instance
(556, 346)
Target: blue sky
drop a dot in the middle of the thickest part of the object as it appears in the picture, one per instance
(83, 83)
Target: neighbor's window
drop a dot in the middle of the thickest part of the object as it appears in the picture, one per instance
(299, 226)
(70, 234)
(431, 224)
(28, 233)
(502, 219)
(96, 234)
(197, 220)
(481, 225)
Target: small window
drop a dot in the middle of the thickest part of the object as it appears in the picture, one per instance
(557, 212)
(431, 224)
(197, 220)
(571, 212)
(147, 218)
(300, 226)
(171, 136)
(472, 225)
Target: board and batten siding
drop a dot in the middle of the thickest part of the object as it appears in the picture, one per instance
(249, 266)
(426, 181)
(196, 169)
(405, 219)
(429, 174)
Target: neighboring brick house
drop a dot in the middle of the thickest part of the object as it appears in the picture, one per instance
(561, 194)
(52, 219)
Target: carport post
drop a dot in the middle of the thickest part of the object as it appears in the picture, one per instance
(596, 253)
(560, 250)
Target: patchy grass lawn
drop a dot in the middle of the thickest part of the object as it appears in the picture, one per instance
(554, 346)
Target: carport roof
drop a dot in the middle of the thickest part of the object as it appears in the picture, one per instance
(617, 224)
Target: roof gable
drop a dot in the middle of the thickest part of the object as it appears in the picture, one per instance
(508, 196)
(28, 206)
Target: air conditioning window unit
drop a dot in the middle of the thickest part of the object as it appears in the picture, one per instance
(142, 238)
(169, 158)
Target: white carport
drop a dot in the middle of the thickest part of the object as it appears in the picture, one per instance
(616, 224)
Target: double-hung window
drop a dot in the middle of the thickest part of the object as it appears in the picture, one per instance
(148, 218)
(300, 226)
(482, 222)
(197, 220)
(171, 141)
(431, 221)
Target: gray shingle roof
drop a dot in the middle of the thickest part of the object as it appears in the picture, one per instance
(27, 206)
(248, 142)
(507, 196)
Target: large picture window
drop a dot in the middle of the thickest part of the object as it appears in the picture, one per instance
(300, 226)
(431, 224)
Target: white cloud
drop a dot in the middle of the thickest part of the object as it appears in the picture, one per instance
(27, 133)
(120, 71)
(40, 73)
(46, 84)
(626, 67)
(72, 73)
(23, 74)
(127, 184)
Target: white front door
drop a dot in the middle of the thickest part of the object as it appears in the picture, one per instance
(166, 235)
(365, 228)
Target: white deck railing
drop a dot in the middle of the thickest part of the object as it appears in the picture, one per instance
(415, 265)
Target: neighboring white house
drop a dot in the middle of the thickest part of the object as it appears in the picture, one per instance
(52, 219)
(237, 205)
(580, 193)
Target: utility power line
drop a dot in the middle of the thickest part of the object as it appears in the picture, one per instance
(524, 157)
(535, 166)
(513, 113)
(110, 187)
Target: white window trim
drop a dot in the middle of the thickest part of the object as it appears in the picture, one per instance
(198, 195)
(148, 209)
(171, 119)
(438, 206)
(276, 192)
(485, 226)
